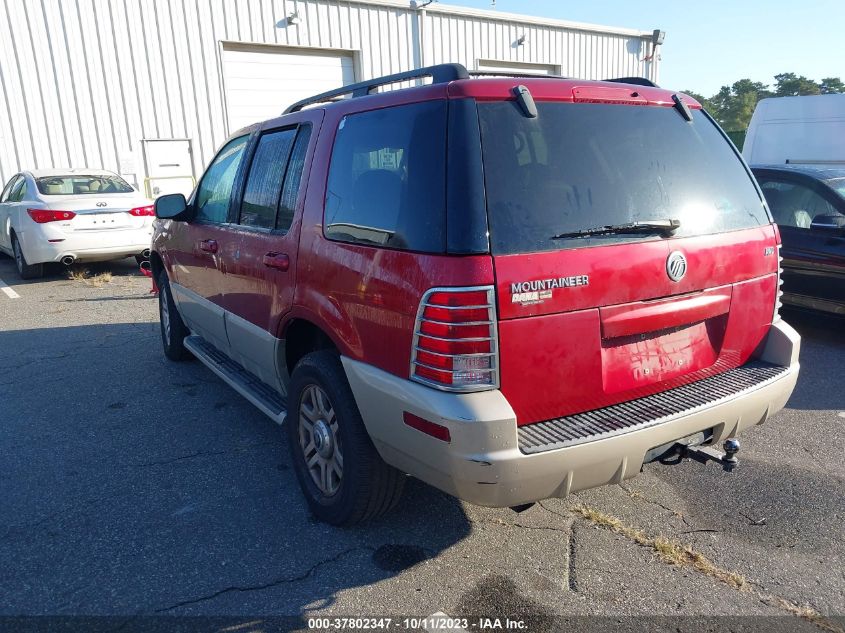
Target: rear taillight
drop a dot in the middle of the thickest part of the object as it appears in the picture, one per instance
(143, 212)
(455, 344)
(778, 291)
(778, 304)
(42, 216)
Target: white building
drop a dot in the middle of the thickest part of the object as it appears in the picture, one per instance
(149, 88)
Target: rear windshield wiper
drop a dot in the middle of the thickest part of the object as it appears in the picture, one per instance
(665, 227)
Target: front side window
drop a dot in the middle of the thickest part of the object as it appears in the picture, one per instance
(76, 185)
(793, 204)
(580, 166)
(264, 183)
(387, 179)
(215, 188)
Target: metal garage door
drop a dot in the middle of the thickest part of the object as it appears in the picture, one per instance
(261, 81)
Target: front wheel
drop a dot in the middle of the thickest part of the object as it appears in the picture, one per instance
(343, 477)
(25, 270)
(173, 329)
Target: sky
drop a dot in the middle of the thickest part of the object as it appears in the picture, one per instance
(713, 43)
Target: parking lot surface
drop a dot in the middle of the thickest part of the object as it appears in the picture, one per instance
(131, 485)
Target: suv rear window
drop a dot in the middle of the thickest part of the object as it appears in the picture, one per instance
(580, 166)
(387, 179)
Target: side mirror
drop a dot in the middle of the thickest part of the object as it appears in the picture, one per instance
(830, 223)
(173, 206)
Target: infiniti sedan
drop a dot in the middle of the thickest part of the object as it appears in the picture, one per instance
(73, 215)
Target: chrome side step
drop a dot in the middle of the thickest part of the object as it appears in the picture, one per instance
(269, 401)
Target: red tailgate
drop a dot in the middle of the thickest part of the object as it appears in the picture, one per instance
(611, 325)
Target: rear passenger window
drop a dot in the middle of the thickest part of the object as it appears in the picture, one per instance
(387, 179)
(290, 191)
(215, 188)
(266, 174)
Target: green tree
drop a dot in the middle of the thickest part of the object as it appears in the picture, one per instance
(831, 85)
(792, 85)
(733, 105)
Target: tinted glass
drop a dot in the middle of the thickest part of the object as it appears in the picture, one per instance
(387, 180)
(81, 185)
(290, 191)
(579, 166)
(4, 197)
(18, 191)
(264, 183)
(838, 185)
(793, 204)
(215, 188)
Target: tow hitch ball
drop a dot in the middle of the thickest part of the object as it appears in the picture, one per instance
(702, 454)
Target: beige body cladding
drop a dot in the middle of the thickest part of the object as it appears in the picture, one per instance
(483, 463)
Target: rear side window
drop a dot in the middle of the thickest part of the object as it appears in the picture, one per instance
(18, 191)
(272, 187)
(387, 179)
(215, 188)
(266, 174)
(7, 190)
(580, 166)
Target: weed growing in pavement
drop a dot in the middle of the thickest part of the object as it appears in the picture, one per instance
(682, 555)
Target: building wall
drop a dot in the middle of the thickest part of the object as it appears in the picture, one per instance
(82, 82)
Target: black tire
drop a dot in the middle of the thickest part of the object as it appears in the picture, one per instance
(368, 487)
(172, 339)
(25, 271)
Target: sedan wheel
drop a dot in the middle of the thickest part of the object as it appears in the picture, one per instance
(26, 271)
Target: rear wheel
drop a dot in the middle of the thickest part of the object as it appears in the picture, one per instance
(25, 270)
(344, 479)
(173, 329)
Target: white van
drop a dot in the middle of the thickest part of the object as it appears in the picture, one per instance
(797, 130)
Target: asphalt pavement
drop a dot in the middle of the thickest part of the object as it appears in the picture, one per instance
(132, 486)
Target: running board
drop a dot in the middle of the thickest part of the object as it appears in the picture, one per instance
(269, 401)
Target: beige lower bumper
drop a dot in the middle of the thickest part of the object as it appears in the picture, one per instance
(483, 463)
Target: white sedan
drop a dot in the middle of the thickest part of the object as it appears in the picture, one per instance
(72, 215)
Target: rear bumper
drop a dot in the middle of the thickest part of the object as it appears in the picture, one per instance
(86, 247)
(483, 462)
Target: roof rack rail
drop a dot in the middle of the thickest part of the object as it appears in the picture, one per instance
(506, 73)
(637, 81)
(442, 73)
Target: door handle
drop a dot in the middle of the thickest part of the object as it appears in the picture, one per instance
(279, 261)
(209, 246)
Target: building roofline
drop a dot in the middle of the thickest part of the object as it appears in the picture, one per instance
(501, 16)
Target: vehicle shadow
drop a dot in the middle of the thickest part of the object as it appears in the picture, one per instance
(134, 486)
(52, 272)
(819, 383)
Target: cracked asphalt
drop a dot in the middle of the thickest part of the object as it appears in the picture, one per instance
(132, 486)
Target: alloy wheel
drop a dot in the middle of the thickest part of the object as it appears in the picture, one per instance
(319, 440)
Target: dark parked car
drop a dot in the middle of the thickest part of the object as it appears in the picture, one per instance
(808, 205)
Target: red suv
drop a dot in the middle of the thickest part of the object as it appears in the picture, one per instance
(510, 288)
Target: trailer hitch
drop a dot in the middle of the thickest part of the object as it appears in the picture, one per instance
(703, 454)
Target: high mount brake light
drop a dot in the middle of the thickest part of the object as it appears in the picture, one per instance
(147, 211)
(43, 216)
(455, 340)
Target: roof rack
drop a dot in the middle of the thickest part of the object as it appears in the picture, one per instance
(637, 81)
(506, 73)
(442, 73)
